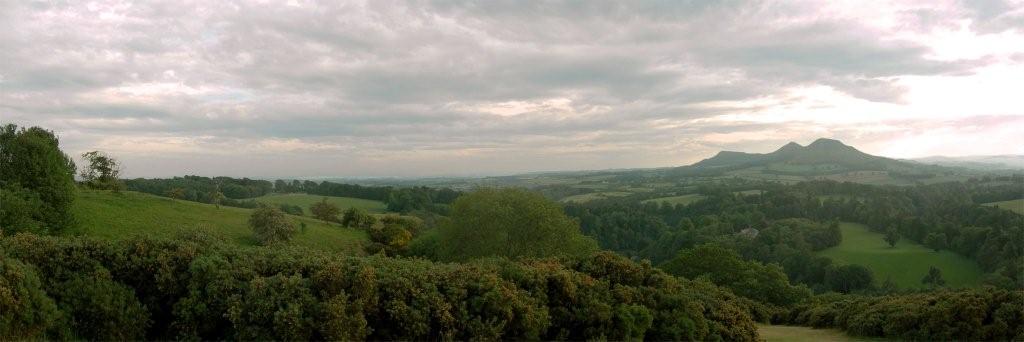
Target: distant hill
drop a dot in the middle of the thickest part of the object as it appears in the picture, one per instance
(821, 159)
(1000, 162)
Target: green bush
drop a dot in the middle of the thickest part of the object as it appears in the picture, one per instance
(26, 312)
(199, 288)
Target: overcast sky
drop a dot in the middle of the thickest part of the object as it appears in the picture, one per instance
(303, 89)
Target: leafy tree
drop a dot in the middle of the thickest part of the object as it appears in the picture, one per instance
(935, 241)
(392, 234)
(750, 279)
(892, 236)
(512, 223)
(216, 198)
(26, 312)
(176, 193)
(357, 218)
(848, 278)
(101, 171)
(271, 226)
(325, 211)
(933, 278)
(36, 180)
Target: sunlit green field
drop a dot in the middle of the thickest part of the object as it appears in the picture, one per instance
(305, 200)
(905, 264)
(783, 333)
(1016, 205)
(683, 199)
(119, 216)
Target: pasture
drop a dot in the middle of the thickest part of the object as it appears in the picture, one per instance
(785, 333)
(673, 200)
(905, 264)
(119, 216)
(306, 200)
(1016, 205)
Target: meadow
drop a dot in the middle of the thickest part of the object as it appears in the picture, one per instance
(306, 200)
(118, 216)
(1016, 205)
(784, 333)
(905, 264)
(682, 199)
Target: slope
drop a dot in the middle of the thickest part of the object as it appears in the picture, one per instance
(119, 216)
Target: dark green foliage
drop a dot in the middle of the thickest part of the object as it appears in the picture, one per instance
(38, 180)
(198, 288)
(512, 223)
(848, 278)
(751, 279)
(357, 218)
(933, 278)
(26, 312)
(981, 314)
(325, 211)
(102, 172)
(290, 209)
(98, 308)
(935, 241)
(270, 226)
(202, 189)
(892, 236)
(392, 234)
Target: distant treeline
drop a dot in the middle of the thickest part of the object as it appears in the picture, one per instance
(199, 288)
(239, 192)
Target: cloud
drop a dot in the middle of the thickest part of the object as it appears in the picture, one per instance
(309, 88)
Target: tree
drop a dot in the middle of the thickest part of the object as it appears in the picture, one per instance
(848, 278)
(37, 182)
(935, 241)
(511, 223)
(101, 171)
(933, 278)
(892, 236)
(270, 226)
(392, 234)
(357, 218)
(325, 211)
(176, 193)
(216, 197)
(750, 279)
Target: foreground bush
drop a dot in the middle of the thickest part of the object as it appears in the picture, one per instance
(199, 288)
(981, 314)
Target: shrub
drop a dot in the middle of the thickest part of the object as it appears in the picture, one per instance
(271, 226)
(26, 312)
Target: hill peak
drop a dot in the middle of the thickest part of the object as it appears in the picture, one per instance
(827, 142)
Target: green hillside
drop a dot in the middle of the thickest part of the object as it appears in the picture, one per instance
(783, 333)
(1016, 205)
(119, 216)
(682, 199)
(306, 200)
(905, 264)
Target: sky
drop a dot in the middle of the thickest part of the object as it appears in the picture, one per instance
(451, 88)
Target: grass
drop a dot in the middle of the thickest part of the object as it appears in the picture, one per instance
(306, 200)
(594, 196)
(683, 199)
(1016, 205)
(904, 264)
(784, 333)
(119, 216)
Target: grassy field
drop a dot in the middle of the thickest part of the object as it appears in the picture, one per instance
(305, 200)
(683, 199)
(594, 196)
(119, 216)
(1016, 205)
(783, 333)
(905, 264)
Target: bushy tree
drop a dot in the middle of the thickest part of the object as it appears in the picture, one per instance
(892, 236)
(848, 278)
(512, 223)
(935, 241)
(176, 193)
(36, 180)
(325, 211)
(270, 226)
(750, 279)
(26, 312)
(933, 278)
(357, 218)
(101, 171)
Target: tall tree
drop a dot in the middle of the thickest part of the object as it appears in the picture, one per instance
(37, 184)
(101, 171)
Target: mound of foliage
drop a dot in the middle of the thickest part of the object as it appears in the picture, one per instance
(197, 287)
(981, 314)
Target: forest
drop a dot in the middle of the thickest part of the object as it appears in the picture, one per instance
(496, 262)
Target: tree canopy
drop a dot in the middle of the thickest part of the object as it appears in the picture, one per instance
(37, 184)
